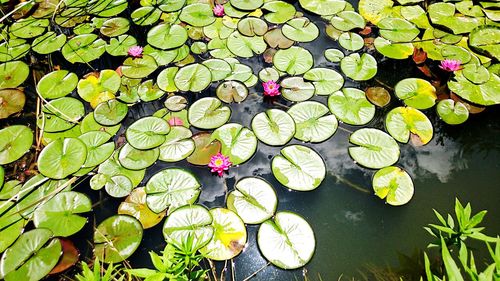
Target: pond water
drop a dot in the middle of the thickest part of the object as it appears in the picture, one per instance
(353, 227)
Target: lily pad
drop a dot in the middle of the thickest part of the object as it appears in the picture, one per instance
(351, 106)
(247, 5)
(253, 199)
(208, 113)
(15, 141)
(294, 60)
(347, 20)
(135, 206)
(57, 84)
(417, 93)
(245, 46)
(220, 69)
(300, 30)
(397, 29)
(96, 88)
(48, 43)
(205, 148)
(120, 45)
(334, 55)
(278, 12)
(148, 132)
(299, 168)
(137, 159)
(189, 227)
(230, 235)
(83, 48)
(13, 74)
(374, 149)
(13, 49)
(394, 185)
(62, 158)
(273, 127)
(452, 113)
(351, 41)
(31, 257)
(112, 167)
(171, 188)
(197, 14)
(378, 96)
(110, 113)
(359, 68)
(391, 50)
(117, 238)
(89, 124)
(118, 186)
(60, 213)
(98, 147)
(287, 241)
(374, 11)
(401, 122)
(325, 80)
(252, 26)
(238, 142)
(139, 67)
(312, 123)
(194, 77)
(323, 7)
(486, 40)
(232, 91)
(11, 101)
(296, 89)
(475, 73)
(115, 26)
(483, 94)
(275, 38)
(269, 73)
(166, 36)
(178, 145)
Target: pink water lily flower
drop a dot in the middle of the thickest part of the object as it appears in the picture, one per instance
(450, 65)
(271, 88)
(219, 163)
(175, 121)
(218, 10)
(135, 51)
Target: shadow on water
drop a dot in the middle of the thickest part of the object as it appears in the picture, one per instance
(353, 227)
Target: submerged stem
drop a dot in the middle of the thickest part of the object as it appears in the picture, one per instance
(256, 272)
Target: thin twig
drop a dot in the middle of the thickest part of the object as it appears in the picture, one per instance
(256, 272)
(351, 184)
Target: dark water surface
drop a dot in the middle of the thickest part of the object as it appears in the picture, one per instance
(353, 227)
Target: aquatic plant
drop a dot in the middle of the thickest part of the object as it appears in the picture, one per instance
(450, 65)
(219, 164)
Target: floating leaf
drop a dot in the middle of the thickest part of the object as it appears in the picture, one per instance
(359, 68)
(48, 43)
(137, 159)
(325, 80)
(232, 91)
(391, 50)
(273, 127)
(83, 48)
(205, 148)
(220, 69)
(13, 49)
(323, 7)
(443, 14)
(403, 121)
(351, 41)
(278, 12)
(351, 106)
(230, 236)
(245, 46)
(252, 26)
(98, 147)
(247, 5)
(397, 29)
(29, 27)
(268, 74)
(194, 77)
(378, 96)
(57, 84)
(118, 186)
(112, 167)
(294, 61)
(165, 36)
(89, 124)
(60, 213)
(13, 74)
(334, 55)
(275, 39)
(375, 149)
(171, 188)
(11, 101)
(299, 168)
(374, 11)
(189, 227)
(475, 73)
(208, 113)
(486, 40)
(300, 30)
(484, 94)
(312, 123)
(416, 92)
(197, 14)
(238, 143)
(287, 241)
(347, 20)
(135, 206)
(114, 27)
(296, 89)
(178, 145)
(148, 132)
(394, 185)
(452, 112)
(139, 67)
(98, 88)
(62, 158)
(117, 238)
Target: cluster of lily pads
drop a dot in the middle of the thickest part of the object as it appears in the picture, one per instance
(189, 47)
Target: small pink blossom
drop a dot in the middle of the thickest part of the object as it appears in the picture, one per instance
(219, 163)
(271, 88)
(218, 10)
(450, 65)
(175, 121)
(135, 51)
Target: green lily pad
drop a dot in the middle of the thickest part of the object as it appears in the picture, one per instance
(98, 147)
(374, 11)
(416, 92)
(13, 49)
(334, 55)
(240, 72)
(178, 145)
(13, 74)
(205, 148)
(275, 38)
(401, 122)
(194, 77)
(347, 20)
(220, 69)
(252, 26)
(98, 88)
(148, 132)
(136, 159)
(57, 84)
(208, 113)
(475, 73)
(391, 50)
(296, 89)
(299, 168)
(483, 94)
(452, 113)
(253, 199)
(238, 143)
(232, 91)
(139, 67)
(165, 36)
(351, 41)
(29, 27)
(189, 227)
(149, 91)
(351, 106)
(394, 185)
(444, 15)
(120, 45)
(374, 149)
(323, 7)
(11, 101)
(48, 43)
(197, 14)
(247, 5)
(118, 186)
(287, 241)
(278, 12)
(83, 48)
(453, 52)
(245, 46)
(112, 167)
(171, 188)
(110, 113)
(165, 79)
(135, 206)
(359, 68)
(12, 227)
(89, 124)
(60, 213)
(312, 122)
(379, 96)
(31, 257)
(62, 158)
(325, 80)
(15, 141)
(268, 74)
(117, 238)
(146, 15)
(486, 40)
(300, 30)
(114, 27)
(273, 127)
(230, 236)
(397, 29)
(294, 61)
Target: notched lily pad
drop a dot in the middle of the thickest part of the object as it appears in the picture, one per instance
(394, 185)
